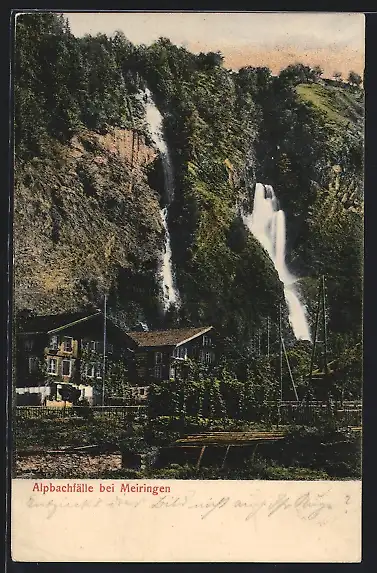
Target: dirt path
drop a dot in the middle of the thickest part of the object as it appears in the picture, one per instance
(65, 465)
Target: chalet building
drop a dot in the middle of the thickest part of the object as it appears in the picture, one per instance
(163, 354)
(57, 351)
(64, 352)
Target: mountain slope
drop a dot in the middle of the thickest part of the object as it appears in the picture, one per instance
(81, 214)
(89, 185)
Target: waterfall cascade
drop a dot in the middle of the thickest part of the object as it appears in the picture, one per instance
(154, 119)
(267, 224)
(171, 295)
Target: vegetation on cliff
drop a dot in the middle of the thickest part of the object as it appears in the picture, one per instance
(89, 186)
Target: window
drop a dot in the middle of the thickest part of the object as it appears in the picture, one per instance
(158, 371)
(28, 344)
(33, 364)
(180, 352)
(52, 366)
(89, 370)
(172, 373)
(206, 340)
(66, 367)
(208, 357)
(142, 391)
(158, 357)
(67, 344)
(96, 346)
(54, 341)
(93, 370)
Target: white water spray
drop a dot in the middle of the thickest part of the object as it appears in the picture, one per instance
(170, 292)
(154, 119)
(267, 224)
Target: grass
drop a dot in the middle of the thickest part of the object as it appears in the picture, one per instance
(52, 433)
(338, 105)
(107, 467)
(259, 469)
(43, 434)
(307, 453)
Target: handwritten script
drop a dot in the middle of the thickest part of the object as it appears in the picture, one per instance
(316, 506)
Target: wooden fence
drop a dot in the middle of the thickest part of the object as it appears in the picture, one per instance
(286, 413)
(92, 412)
(311, 414)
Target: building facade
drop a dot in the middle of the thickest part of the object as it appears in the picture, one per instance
(165, 354)
(61, 358)
(64, 354)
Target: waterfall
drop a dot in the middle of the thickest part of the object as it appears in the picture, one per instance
(154, 119)
(170, 292)
(267, 224)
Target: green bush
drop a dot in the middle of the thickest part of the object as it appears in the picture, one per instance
(336, 452)
(54, 433)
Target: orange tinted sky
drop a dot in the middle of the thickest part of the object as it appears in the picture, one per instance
(333, 40)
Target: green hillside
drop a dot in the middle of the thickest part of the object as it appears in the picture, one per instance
(340, 106)
(89, 183)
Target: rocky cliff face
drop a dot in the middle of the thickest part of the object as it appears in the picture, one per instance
(83, 216)
(87, 222)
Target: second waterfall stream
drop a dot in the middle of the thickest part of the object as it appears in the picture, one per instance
(155, 123)
(267, 224)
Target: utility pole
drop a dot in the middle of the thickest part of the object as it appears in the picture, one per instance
(324, 325)
(281, 355)
(289, 370)
(315, 334)
(326, 366)
(104, 351)
(281, 368)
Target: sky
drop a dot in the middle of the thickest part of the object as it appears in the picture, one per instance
(335, 41)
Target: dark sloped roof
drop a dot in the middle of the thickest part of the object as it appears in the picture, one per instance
(53, 321)
(167, 337)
